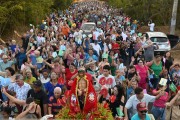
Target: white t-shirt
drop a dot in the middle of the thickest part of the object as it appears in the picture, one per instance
(40, 40)
(78, 37)
(151, 26)
(96, 35)
(1, 51)
(108, 86)
(43, 80)
(106, 47)
(96, 47)
(124, 36)
(133, 101)
(24, 67)
(99, 86)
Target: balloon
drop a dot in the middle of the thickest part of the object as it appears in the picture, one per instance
(5, 81)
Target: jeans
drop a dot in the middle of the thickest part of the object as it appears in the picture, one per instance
(158, 113)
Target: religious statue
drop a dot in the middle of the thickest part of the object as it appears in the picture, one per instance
(82, 97)
(83, 101)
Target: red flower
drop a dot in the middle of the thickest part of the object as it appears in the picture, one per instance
(112, 98)
(106, 105)
(104, 92)
(91, 117)
(77, 109)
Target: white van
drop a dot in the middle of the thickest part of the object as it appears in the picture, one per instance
(160, 39)
(88, 27)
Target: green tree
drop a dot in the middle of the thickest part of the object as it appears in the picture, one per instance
(157, 10)
(61, 4)
(15, 13)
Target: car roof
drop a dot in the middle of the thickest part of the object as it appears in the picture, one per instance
(156, 34)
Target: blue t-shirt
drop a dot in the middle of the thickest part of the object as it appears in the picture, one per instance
(33, 59)
(130, 92)
(136, 117)
(13, 48)
(21, 57)
(50, 88)
(93, 57)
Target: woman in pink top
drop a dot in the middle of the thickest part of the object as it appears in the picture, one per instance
(142, 70)
(158, 108)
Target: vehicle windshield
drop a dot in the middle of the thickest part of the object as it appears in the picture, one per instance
(159, 39)
(88, 27)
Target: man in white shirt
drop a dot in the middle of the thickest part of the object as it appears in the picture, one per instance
(105, 81)
(96, 35)
(124, 35)
(78, 36)
(96, 47)
(151, 26)
(20, 87)
(137, 98)
(40, 39)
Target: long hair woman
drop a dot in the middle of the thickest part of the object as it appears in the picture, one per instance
(117, 99)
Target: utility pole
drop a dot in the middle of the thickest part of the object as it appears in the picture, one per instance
(173, 19)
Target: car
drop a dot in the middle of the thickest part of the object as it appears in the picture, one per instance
(88, 27)
(160, 39)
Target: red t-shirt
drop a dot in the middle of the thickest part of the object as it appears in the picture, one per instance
(115, 46)
(69, 75)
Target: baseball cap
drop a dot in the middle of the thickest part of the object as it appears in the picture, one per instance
(37, 83)
(141, 106)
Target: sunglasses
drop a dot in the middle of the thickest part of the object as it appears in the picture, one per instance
(144, 111)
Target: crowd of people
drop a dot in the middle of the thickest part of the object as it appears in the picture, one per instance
(38, 75)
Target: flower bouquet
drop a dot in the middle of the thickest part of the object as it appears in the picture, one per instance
(102, 113)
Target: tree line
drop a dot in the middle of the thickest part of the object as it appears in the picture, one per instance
(160, 11)
(15, 13)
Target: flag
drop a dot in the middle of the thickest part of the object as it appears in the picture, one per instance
(172, 87)
(120, 113)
